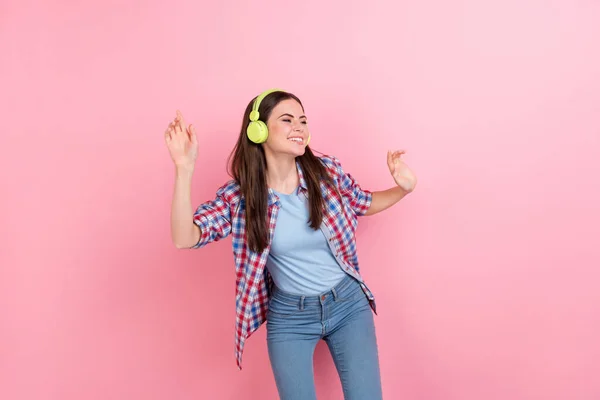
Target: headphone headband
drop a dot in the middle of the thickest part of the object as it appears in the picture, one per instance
(254, 114)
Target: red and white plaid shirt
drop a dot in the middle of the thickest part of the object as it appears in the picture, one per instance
(224, 215)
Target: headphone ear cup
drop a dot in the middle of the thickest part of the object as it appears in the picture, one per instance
(257, 132)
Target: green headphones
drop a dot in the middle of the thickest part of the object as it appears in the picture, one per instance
(257, 130)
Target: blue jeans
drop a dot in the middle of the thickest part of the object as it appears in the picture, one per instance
(343, 318)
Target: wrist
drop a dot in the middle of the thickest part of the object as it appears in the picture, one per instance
(402, 189)
(184, 170)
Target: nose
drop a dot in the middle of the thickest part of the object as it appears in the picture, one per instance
(299, 126)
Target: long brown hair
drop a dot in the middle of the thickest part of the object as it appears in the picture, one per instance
(248, 166)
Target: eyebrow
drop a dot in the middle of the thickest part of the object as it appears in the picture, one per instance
(290, 115)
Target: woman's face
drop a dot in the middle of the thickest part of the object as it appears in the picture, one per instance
(288, 130)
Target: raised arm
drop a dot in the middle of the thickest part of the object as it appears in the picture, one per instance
(183, 148)
(366, 202)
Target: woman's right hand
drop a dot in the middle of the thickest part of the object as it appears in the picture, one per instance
(181, 142)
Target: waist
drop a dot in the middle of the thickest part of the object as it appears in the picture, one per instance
(343, 289)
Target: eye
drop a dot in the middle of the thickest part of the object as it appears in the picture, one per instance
(287, 120)
(304, 122)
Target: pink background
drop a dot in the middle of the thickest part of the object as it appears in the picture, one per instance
(486, 277)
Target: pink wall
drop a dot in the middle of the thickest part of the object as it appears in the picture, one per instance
(486, 277)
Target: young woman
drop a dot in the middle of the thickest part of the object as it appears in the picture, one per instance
(292, 217)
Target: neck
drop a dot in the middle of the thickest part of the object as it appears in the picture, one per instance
(282, 174)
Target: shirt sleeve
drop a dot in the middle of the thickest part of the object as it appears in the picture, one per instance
(214, 219)
(359, 198)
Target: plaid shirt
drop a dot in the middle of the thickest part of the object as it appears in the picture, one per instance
(224, 215)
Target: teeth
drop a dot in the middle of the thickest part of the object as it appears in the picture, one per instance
(296, 140)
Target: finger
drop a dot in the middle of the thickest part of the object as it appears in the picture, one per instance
(176, 126)
(398, 154)
(193, 137)
(176, 120)
(179, 115)
(390, 159)
(181, 121)
(168, 135)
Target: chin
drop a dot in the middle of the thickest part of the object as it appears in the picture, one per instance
(300, 152)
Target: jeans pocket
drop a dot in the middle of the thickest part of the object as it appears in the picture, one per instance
(280, 307)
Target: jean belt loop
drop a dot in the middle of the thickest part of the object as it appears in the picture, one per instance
(335, 296)
(302, 303)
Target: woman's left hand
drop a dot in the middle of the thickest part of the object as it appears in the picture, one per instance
(403, 176)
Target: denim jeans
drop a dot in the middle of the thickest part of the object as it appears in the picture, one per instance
(343, 318)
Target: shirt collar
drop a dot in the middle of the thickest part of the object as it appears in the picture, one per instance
(301, 176)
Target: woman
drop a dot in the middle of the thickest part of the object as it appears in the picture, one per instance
(292, 217)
